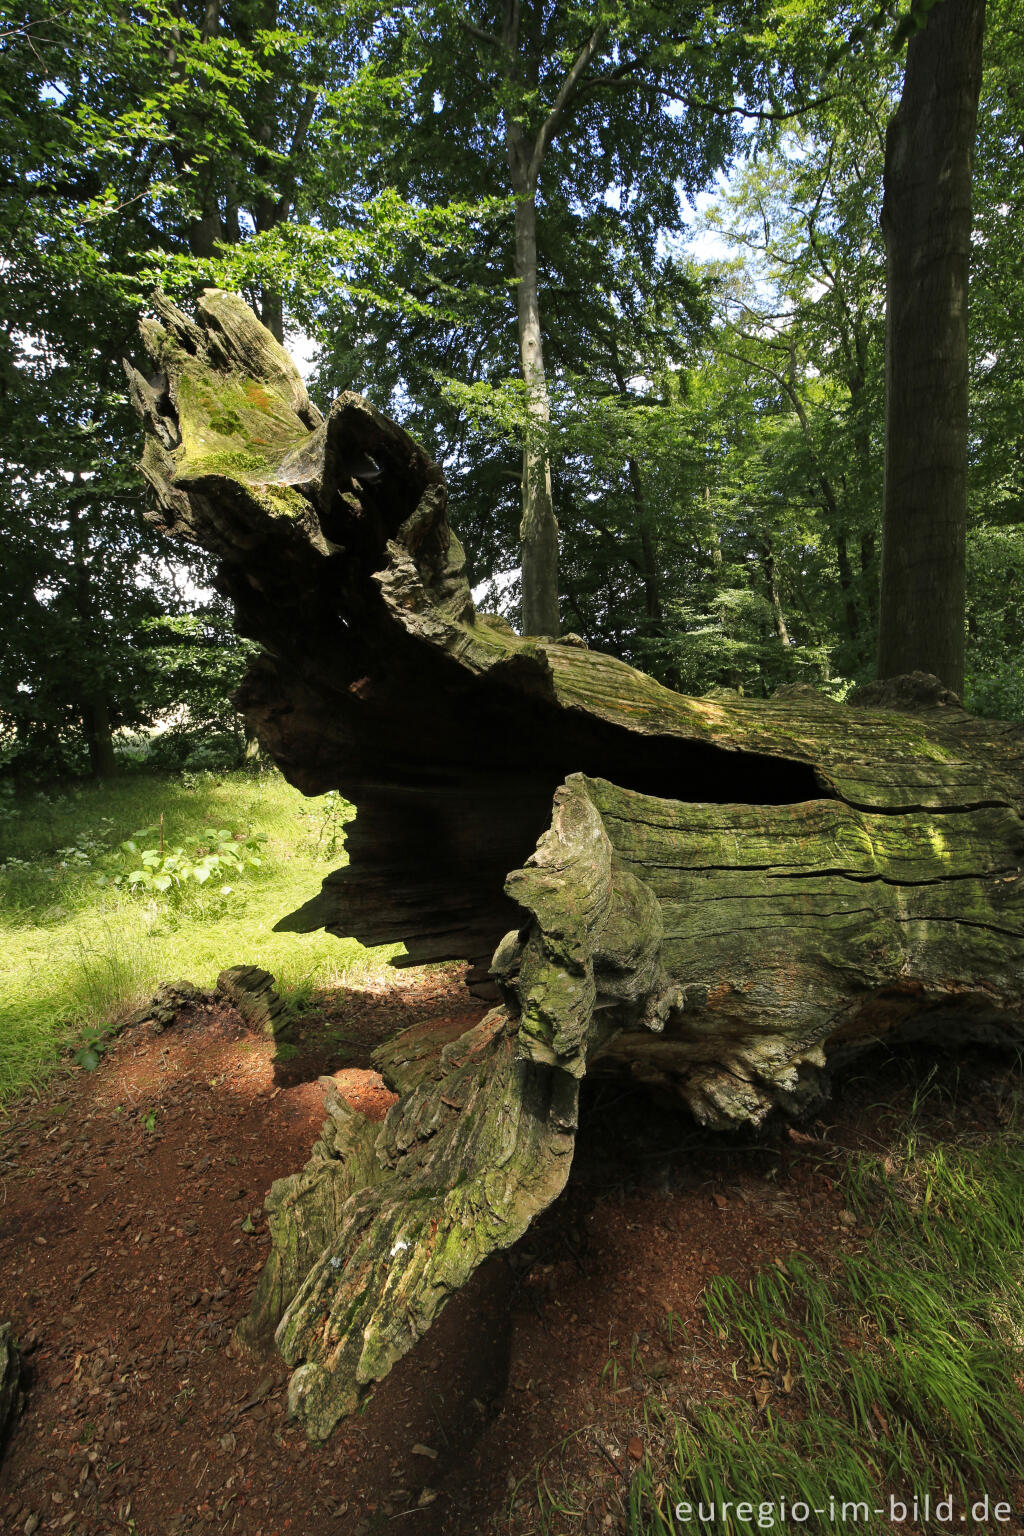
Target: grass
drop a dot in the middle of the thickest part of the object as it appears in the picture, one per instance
(896, 1372)
(81, 953)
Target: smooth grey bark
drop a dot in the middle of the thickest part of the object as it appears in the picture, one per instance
(926, 216)
(538, 533)
(772, 582)
(538, 530)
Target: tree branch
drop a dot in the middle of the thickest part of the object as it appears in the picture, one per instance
(282, 207)
(481, 34)
(568, 90)
(622, 78)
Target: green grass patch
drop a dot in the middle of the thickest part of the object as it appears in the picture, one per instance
(81, 950)
(894, 1372)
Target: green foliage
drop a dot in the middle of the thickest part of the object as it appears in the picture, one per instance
(611, 158)
(996, 484)
(716, 424)
(995, 621)
(81, 955)
(733, 644)
(327, 824)
(207, 129)
(92, 1048)
(218, 853)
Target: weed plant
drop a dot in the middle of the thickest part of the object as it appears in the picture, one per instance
(87, 938)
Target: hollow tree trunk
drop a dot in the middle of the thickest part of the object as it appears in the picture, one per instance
(714, 896)
(929, 154)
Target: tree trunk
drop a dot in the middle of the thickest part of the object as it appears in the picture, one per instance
(717, 897)
(93, 707)
(772, 583)
(651, 572)
(846, 584)
(926, 216)
(272, 308)
(538, 532)
(99, 737)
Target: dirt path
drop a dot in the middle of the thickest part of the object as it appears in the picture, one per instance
(126, 1256)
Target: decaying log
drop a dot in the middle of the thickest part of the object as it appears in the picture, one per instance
(712, 895)
(251, 990)
(10, 1384)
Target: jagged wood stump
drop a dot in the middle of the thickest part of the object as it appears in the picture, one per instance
(712, 895)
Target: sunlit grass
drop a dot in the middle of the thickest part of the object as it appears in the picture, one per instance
(79, 953)
(903, 1361)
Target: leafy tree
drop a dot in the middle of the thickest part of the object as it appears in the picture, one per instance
(91, 643)
(588, 118)
(995, 621)
(996, 479)
(802, 320)
(133, 144)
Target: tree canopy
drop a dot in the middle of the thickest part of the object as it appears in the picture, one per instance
(619, 267)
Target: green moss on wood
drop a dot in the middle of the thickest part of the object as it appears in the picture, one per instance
(232, 425)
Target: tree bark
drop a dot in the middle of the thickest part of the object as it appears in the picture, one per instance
(772, 583)
(718, 897)
(846, 583)
(538, 532)
(539, 528)
(93, 706)
(99, 737)
(926, 216)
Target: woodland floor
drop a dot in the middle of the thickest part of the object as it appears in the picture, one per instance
(124, 1265)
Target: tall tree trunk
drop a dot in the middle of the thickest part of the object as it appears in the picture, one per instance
(265, 212)
(867, 560)
(99, 737)
(205, 231)
(652, 579)
(846, 584)
(717, 558)
(538, 531)
(926, 216)
(650, 571)
(93, 707)
(272, 312)
(768, 566)
(830, 501)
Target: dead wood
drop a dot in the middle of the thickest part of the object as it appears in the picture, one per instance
(711, 895)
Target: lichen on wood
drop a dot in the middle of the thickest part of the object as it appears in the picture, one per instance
(714, 896)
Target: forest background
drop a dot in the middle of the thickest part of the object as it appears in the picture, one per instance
(705, 190)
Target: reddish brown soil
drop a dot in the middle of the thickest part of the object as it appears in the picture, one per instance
(126, 1258)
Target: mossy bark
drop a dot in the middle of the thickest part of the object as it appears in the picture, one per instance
(712, 895)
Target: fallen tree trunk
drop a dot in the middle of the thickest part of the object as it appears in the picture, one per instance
(712, 895)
